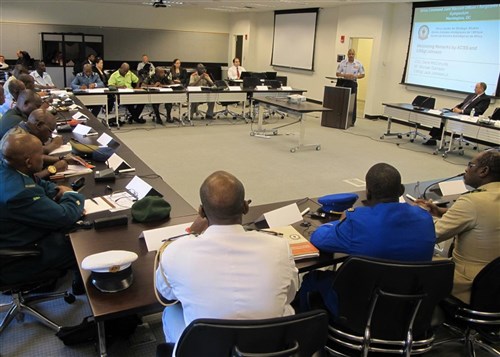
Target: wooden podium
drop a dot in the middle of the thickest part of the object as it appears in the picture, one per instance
(341, 101)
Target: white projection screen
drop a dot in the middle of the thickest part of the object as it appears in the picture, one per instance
(454, 45)
(294, 38)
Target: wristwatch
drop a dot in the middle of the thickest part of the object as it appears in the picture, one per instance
(52, 169)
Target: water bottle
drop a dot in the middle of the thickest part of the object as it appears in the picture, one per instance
(472, 112)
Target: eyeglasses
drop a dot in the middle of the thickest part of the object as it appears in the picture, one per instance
(471, 164)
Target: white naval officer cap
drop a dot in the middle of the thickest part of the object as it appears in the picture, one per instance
(111, 271)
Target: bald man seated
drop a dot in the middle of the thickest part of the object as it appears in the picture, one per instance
(27, 101)
(34, 212)
(41, 124)
(225, 272)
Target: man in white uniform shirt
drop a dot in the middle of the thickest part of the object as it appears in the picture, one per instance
(42, 78)
(225, 272)
(348, 72)
(234, 72)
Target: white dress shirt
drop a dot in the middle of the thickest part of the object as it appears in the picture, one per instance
(227, 273)
(43, 80)
(232, 72)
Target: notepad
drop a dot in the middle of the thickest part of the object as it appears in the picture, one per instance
(301, 247)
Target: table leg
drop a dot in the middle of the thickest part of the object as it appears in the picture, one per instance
(116, 112)
(302, 135)
(101, 334)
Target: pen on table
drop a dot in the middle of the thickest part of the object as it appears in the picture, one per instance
(266, 231)
(175, 237)
(304, 212)
(91, 134)
(93, 200)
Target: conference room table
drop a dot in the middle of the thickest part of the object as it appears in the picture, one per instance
(455, 125)
(297, 109)
(191, 95)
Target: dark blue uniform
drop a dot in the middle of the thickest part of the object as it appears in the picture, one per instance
(30, 217)
(394, 231)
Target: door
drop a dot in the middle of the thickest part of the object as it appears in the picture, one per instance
(363, 48)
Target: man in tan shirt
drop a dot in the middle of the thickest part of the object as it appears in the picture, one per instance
(475, 220)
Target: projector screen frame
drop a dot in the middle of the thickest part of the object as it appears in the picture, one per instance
(296, 11)
(417, 5)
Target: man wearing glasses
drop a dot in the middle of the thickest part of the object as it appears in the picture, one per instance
(474, 220)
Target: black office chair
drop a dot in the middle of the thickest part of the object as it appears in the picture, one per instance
(477, 323)
(420, 102)
(296, 335)
(387, 306)
(221, 85)
(20, 291)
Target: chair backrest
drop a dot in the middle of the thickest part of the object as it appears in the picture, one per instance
(485, 294)
(250, 82)
(496, 114)
(359, 278)
(215, 337)
(424, 102)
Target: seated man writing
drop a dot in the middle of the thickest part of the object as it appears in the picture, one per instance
(88, 80)
(384, 229)
(225, 272)
(34, 212)
(474, 220)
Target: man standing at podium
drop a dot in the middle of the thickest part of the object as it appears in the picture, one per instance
(348, 73)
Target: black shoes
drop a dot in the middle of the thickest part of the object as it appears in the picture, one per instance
(137, 120)
(430, 142)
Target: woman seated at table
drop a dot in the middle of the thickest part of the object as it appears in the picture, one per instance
(179, 75)
(99, 69)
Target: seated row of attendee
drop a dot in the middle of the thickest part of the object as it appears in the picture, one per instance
(200, 78)
(384, 229)
(234, 72)
(34, 212)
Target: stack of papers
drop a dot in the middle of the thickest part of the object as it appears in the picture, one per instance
(156, 237)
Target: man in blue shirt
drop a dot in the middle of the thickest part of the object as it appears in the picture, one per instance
(384, 229)
(88, 80)
(34, 212)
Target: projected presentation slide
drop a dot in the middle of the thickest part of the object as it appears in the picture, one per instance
(454, 47)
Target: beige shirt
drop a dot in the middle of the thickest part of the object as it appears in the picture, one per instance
(475, 219)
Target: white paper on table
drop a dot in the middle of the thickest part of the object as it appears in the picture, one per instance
(139, 187)
(82, 129)
(286, 88)
(101, 205)
(104, 139)
(78, 115)
(59, 92)
(194, 89)
(125, 90)
(468, 118)
(166, 89)
(96, 90)
(283, 216)
(74, 170)
(63, 149)
(154, 237)
(74, 107)
(450, 188)
(261, 88)
(116, 163)
(234, 88)
(434, 111)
